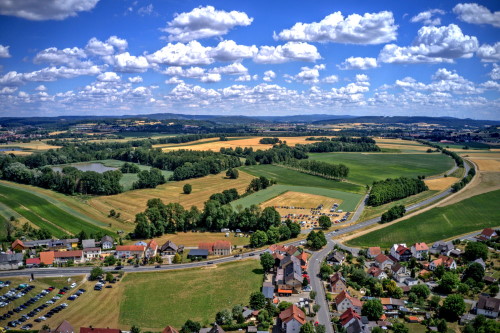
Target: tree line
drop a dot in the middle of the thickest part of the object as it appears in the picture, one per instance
(160, 218)
(392, 189)
(318, 168)
(393, 213)
(269, 141)
(464, 181)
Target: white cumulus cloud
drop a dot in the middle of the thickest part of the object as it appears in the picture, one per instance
(428, 18)
(269, 76)
(135, 79)
(358, 63)
(371, 28)
(228, 50)
(109, 77)
(204, 22)
(179, 54)
(37, 10)
(489, 53)
(291, 51)
(477, 14)
(4, 51)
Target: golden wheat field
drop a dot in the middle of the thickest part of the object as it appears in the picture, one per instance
(132, 202)
(440, 184)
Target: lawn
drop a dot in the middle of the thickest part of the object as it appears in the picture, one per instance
(349, 200)
(155, 300)
(291, 177)
(471, 145)
(439, 223)
(43, 213)
(366, 168)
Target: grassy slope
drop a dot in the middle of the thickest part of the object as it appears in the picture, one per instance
(439, 223)
(366, 168)
(350, 200)
(154, 300)
(43, 213)
(291, 177)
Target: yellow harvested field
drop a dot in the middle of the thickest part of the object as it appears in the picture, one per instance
(133, 202)
(243, 142)
(486, 163)
(18, 152)
(194, 238)
(402, 147)
(33, 145)
(301, 207)
(440, 184)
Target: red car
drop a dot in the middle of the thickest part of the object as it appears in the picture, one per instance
(61, 292)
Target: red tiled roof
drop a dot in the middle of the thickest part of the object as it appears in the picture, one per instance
(169, 329)
(381, 258)
(153, 245)
(293, 312)
(488, 232)
(47, 257)
(336, 277)
(348, 315)
(17, 242)
(374, 251)
(130, 248)
(302, 256)
(206, 246)
(374, 271)
(222, 245)
(401, 249)
(421, 247)
(33, 261)
(67, 254)
(343, 295)
(99, 330)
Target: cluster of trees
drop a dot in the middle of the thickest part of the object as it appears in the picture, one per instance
(464, 181)
(347, 144)
(130, 168)
(260, 183)
(232, 173)
(225, 196)
(277, 154)
(69, 181)
(205, 167)
(149, 179)
(393, 213)
(269, 141)
(392, 189)
(275, 233)
(160, 218)
(318, 168)
(316, 240)
(26, 231)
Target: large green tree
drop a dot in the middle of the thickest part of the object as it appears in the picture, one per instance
(373, 309)
(453, 307)
(257, 300)
(267, 261)
(475, 250)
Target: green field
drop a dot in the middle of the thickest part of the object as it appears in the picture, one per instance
(439, 223)
(44, 214)
(366, 168)
(157, 299)
(291, 177)
(349, 204)
(471, 145)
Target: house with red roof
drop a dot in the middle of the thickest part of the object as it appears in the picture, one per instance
(352, 322)
(447, 262)
(99, 330)
(218, 248)
(169, 329)
(151, 249)
(18, 245)
(47, 257)
(33, 262)
(383, 261)
(374, 251)
(292, 319)
(64, 327)
(344, 301)
(64, 256)
(376, 272)
(303, 260)
(420, 250)
(401, 252)
(487, 234)
(128, 251)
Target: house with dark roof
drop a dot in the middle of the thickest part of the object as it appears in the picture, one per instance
(11, 261)
(170, 249)
(335, 258)
(376, 272)
(291, 319)
(64, 256)
(64, 327)
(107, 242)
(487, 234)
(441, 248)
(399, 272)
(401, 252)
(292, 272)
(215, 329)
(488, 306)
(268, 290)
(352, 322)
(197, 254)
(337, 283)
(383, 261)
(91, 253)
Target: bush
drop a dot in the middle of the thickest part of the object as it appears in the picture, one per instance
(187, 188)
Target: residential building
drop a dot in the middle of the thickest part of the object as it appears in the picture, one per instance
(488, 306)
(337, 283)
(383, 261)
(128, 251)
(107, 242)
(377, 273)
(268, 290)
(292, 319)
(169, 329)
(292, 273)
(352, 322)
(487, 234)
(401, 252)
(18, 245)
(441, 248)
(38, 243)
(91, 253)
(447, 262)
(86, 243)
(11, 261)
(335, 258)
(169, 249)
(218, 248)
(65, 256)
(198, 253)
(215, 329)
(420, 250)
(32, 262)
(71, 243)
(344, 301)
(303, 260)
(64, 327)
(399, 272)
(373, 252)
(151, 249)
(392, 304)
(47, 257)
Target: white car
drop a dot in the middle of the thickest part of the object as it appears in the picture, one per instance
(73, 285)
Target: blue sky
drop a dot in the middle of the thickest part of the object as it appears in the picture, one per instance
(94, 57)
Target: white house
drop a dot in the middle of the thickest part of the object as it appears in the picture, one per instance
(344, 301)
(127, 251)
(488, 306)
(419, 250)
(91, 253)
(445, 261)
(292, 319)
(107, 242)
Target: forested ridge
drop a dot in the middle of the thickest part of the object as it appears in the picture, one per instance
(392, 189)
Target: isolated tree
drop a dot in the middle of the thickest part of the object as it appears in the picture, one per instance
(257, 300)
(267, 261)
(190, 327)
(224, 317)
(96, 273)
(373, 309)
(177, 259)
(187, 188)
(232, 173)
(421, 290)
(110, 260)
(474, 271)
(325, 222)
(453, 307)
(475, 250)
(237, 313)
(109, 276)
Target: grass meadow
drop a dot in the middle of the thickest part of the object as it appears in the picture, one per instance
(367, 168)
(439, 223)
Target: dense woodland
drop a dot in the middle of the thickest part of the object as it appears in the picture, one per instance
(392, 189)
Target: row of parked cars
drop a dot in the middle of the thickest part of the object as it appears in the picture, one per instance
(25, 305)
(13, 294)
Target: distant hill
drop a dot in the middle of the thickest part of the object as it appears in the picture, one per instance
(445, 121)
